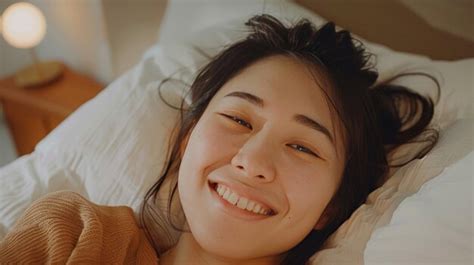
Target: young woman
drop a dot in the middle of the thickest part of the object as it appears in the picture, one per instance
(285, 137)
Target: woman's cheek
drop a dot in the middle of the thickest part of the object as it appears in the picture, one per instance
(307, 191)
(212, 140)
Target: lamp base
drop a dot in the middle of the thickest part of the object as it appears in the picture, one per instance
(38, 74)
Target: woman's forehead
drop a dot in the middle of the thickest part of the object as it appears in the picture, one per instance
(282, 82)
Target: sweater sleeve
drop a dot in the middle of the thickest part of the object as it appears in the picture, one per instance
(65, 228)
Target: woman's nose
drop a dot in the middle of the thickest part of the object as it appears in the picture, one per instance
(256, 159)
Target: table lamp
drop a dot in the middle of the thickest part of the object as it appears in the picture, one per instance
(23, 26)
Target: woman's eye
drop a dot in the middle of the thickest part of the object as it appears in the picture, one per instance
(303, 149)
(238, 120)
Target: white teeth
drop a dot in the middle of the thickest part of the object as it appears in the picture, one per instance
(250, 206)
(220, 190)
(256, 209)
(241, 202)
(233, 198)
(226, 194)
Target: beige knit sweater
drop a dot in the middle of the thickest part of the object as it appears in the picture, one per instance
(65, 228)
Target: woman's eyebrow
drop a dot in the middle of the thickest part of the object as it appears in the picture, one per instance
(307, 121)
(299, 118)
(247, 96)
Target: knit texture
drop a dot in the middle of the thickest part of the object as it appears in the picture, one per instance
(65, 228)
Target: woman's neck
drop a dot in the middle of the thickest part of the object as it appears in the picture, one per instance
(188, 251)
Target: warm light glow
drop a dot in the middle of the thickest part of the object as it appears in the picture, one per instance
(23, 25)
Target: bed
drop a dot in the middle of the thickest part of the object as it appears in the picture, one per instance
(112, 148)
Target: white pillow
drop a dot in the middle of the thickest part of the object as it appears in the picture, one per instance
(347, 244)
(433, 226)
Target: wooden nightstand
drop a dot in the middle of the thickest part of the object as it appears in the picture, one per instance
(31, 113)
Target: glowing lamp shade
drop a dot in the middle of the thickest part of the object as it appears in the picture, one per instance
(24, 25)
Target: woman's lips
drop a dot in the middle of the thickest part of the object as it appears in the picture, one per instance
(233, 209)
(241, 192)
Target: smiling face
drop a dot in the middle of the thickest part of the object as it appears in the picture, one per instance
(268, 137)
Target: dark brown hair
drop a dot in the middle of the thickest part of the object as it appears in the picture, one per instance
(374, 119)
